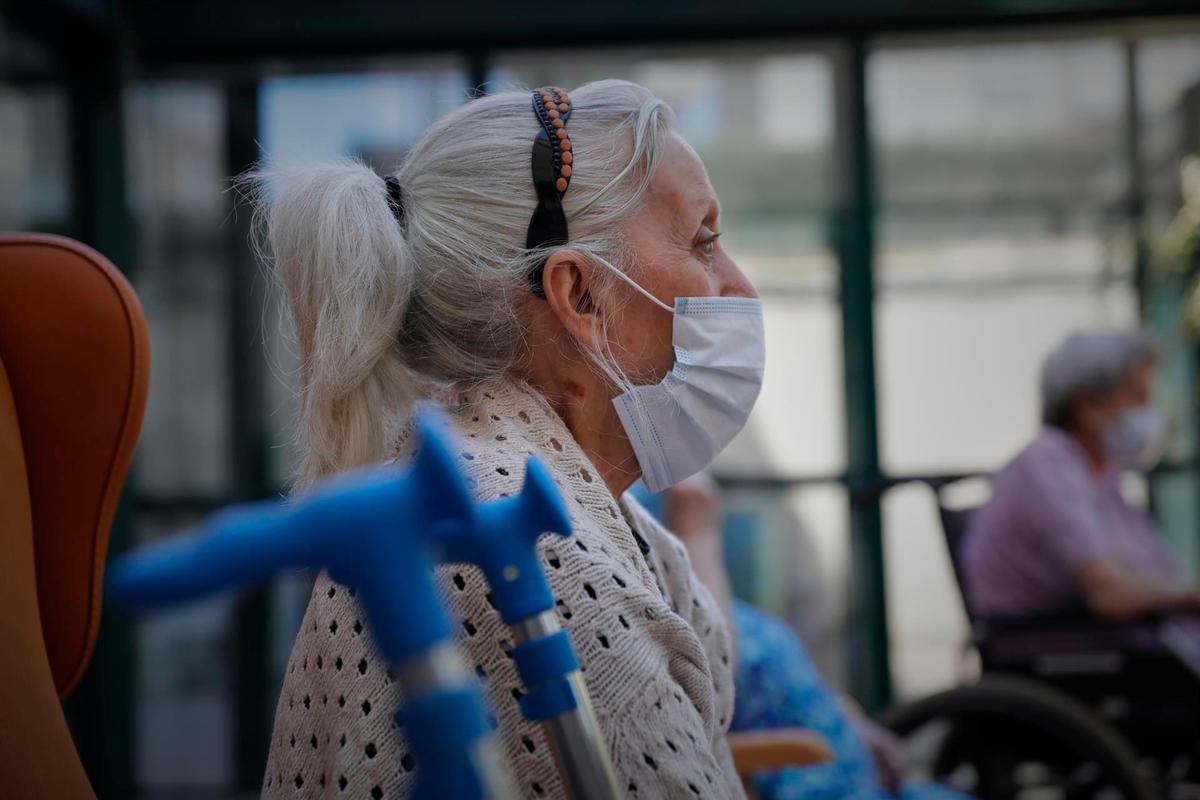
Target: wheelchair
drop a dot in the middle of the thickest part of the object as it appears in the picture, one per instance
(1067, 706)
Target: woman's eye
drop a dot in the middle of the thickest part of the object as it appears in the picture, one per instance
(707, 246)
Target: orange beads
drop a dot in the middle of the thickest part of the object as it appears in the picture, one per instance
(554, 108)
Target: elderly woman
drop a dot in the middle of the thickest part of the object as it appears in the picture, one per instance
(547, 265)
(1057, 533)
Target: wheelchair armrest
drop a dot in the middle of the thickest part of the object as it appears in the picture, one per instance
(776, 748)
(1074, 621)
(1017, 640)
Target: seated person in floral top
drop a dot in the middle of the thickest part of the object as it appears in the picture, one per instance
(778, 686)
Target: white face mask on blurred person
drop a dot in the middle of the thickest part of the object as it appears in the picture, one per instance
(1136, 440)
(679, 425)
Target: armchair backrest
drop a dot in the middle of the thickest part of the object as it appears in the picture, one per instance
(74, 368)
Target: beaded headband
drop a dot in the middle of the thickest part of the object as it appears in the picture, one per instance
(551, 163)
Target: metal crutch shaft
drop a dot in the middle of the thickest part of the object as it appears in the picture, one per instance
(574, 734)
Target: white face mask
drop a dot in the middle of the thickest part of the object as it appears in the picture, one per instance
(678, 426)
(1136, 439)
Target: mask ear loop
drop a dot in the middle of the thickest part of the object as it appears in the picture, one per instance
(636, 285)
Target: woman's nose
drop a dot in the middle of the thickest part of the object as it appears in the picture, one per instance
(734, 282)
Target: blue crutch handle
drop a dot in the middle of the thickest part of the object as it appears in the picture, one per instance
(368, 529)
(502, 542)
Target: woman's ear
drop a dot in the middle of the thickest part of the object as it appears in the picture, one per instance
(567, 282)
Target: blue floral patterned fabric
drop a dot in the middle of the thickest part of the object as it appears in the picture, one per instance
(778, 686)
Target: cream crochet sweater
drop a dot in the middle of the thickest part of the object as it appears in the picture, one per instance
(652, 641)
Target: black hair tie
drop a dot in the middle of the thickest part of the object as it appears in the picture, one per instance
(395, 197)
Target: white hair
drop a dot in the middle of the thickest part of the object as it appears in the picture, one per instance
(387, 312)
(1090, 365)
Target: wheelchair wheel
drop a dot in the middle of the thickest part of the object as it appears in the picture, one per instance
(1007, 738)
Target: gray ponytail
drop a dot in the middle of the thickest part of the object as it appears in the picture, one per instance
(385, 312)
(346, 270)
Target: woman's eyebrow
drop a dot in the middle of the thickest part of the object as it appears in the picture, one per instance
(714, 208)
(694, 212)
(709, 209)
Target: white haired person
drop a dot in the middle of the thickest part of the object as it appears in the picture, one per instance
(547, 266)
(1057, 534)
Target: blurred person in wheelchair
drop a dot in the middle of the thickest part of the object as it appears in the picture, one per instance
(1057, 534)
(779, 686)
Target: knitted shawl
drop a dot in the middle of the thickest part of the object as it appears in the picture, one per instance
(653, 644)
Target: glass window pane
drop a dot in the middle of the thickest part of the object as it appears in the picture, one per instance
(177, 180)
(35, 192)
(958, 368)
(1002, 193)
(312, 119)
(1003, 197)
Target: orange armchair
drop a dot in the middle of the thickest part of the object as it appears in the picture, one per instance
(74, 371)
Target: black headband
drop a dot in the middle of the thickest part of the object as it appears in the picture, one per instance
(551, 164)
